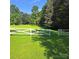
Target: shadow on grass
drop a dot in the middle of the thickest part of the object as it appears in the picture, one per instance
(56, 45)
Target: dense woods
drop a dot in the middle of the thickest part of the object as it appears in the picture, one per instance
(56, 14)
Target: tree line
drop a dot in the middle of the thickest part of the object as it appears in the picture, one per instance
(54, 15)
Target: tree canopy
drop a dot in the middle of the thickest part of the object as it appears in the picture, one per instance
(54, 15)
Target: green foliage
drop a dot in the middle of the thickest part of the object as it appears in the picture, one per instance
(13, 18)
(55, 14)
(17, 17)
(25, 18)
(61, 13)
(34, 15)
(35, 9)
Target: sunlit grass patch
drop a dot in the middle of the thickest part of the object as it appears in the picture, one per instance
(22, 47)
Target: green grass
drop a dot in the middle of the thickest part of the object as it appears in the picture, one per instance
(23, 47)
(24, 27)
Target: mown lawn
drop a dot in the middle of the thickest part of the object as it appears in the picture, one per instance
(23, 47)
(24, 27)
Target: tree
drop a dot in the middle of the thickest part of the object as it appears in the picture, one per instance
(57, 46)
(14, 19)
(61, 14)
(17, 17)
(46, 15)
(34, 14)
(25, 18)
(55, 14)
(15, 14)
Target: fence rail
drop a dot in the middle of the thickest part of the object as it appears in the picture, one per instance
(30, 31)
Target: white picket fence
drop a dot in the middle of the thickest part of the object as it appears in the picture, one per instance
(30, 31)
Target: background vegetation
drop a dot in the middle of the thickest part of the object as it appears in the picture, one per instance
(54, 15)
